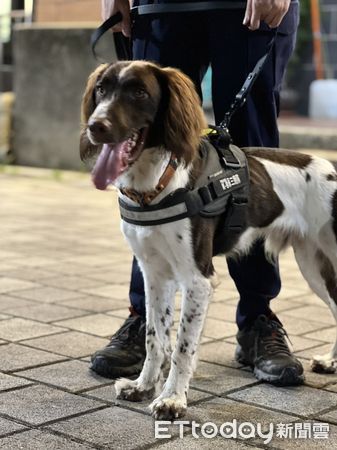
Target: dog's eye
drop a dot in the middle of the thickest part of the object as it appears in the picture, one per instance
(100, 89)
(141, 93)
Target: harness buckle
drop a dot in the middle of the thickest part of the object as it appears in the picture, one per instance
(234, 165)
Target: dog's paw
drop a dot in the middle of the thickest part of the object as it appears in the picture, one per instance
(323, 364)
(168, 408)
(131, 391)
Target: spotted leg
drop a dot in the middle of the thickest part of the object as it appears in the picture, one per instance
(173, 400)
(159, 295)
(320, 274)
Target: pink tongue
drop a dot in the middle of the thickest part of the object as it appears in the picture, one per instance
(109, 165)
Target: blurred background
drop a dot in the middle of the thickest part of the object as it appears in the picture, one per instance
(45, 58)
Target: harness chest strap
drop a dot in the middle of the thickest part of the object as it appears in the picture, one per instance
(227, 190)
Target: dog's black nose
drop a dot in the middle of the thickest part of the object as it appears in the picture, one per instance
(98, 127)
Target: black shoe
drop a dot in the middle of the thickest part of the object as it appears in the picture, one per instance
(125, 354)
(264, 347)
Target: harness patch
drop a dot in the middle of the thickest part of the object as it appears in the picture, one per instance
(227, 183)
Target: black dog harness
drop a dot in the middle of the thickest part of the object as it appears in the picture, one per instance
(222, 188)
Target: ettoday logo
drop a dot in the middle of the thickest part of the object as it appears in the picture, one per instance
(244, 430)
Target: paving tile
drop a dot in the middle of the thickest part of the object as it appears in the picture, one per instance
(110, 275)
(188, 441)
(36, 261)
(294, 400)
(47, 294)
(7, 426)
(294, 291)
(8, 302)
(295, 326)
(218, 329)
(15, 357)
(45, 312)
(318, 313)
(71, 282)
(219, 379)
(222, 310)
(327, 334)
(39, 440)
(308, 299)
(18, 329)
(219, 352)
(97, 324)
(71, 343)
(73, 376)
(7, 266)
(330, 416)
(29, 273)
(9, 382)
(13, 284)
(125, 429)
(112, 291)
(317, 350)
(220, 410)
(6, 254)
(40, 404)
(99, 304)
(67, 268)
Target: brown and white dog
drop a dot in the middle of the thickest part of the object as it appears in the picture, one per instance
(136, 115)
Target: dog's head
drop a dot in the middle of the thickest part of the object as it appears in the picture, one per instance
(130, 106)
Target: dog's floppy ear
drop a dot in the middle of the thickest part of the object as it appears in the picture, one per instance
(87, 108)
(184, 119)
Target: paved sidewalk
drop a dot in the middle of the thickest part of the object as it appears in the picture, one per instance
(64, 273)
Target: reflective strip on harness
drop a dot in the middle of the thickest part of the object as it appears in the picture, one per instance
(162, 215)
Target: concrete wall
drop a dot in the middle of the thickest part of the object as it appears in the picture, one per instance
(51, 68)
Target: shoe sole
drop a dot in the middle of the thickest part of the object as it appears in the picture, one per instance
(288, 377)
(100, 366)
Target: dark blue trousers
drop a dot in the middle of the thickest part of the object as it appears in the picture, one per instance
(192, 41)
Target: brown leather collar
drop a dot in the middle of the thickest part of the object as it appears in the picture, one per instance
(145, 198)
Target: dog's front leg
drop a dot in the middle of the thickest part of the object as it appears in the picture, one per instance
(172, 402)
(159, 318)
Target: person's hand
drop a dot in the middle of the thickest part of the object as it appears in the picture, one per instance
(111, 7)
(270, 11)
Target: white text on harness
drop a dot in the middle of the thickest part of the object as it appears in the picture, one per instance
(227, 183)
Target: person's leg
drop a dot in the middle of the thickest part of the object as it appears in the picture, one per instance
(235, 51)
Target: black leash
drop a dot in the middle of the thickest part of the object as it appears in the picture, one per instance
(241, 96)
(122, 45)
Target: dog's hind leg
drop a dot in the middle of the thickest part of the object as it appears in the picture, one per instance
(159, 318)
(172, 402)
(320, 273)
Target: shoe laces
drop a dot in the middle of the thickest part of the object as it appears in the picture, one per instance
(130, 330)
(273, 336)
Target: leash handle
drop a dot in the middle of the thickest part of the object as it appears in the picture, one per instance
(122, 43)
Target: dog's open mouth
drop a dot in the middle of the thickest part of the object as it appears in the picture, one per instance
(114, 159)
